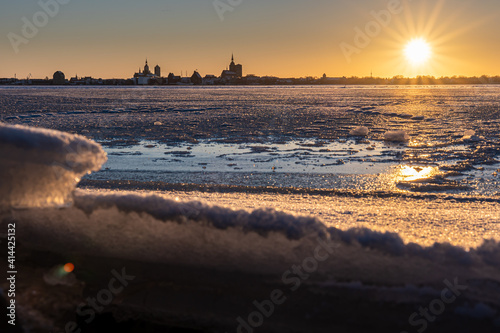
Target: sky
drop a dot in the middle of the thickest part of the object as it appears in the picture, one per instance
(285, 38)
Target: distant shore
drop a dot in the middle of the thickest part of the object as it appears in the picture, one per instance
(267, 80)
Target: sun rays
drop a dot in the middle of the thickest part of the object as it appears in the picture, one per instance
(424, 40)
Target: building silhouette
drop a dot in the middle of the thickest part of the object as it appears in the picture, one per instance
(238, 69)
(234, 71)
(145, 76)
(196, 78)
(59, 78)
(146, 68)
(173, 79)
(232, 74)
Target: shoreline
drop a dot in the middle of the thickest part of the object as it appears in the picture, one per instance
(315, 83)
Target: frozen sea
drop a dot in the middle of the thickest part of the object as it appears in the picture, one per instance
(217, 199)
(279, 136)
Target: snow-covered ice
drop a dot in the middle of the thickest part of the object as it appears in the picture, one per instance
(41, 167)
(396, 136)
(359, 131)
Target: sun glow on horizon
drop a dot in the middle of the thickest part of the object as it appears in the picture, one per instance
(418, 51)
(423, 41)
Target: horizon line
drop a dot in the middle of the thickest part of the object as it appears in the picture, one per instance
(458, 76)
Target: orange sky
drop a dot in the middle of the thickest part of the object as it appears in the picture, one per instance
(281, 37)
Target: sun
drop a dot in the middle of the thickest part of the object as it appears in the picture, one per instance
(418, 51)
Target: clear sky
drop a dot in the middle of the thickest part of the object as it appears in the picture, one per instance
(112, 38)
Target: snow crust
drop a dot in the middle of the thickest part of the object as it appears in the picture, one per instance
(41, 167)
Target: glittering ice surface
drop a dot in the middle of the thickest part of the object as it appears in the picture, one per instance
(280, 136)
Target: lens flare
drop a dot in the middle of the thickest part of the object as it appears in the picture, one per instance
(69, 267)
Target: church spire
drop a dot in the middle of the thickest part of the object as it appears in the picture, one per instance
(146, 68)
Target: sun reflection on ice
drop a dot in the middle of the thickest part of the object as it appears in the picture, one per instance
(408, 173)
